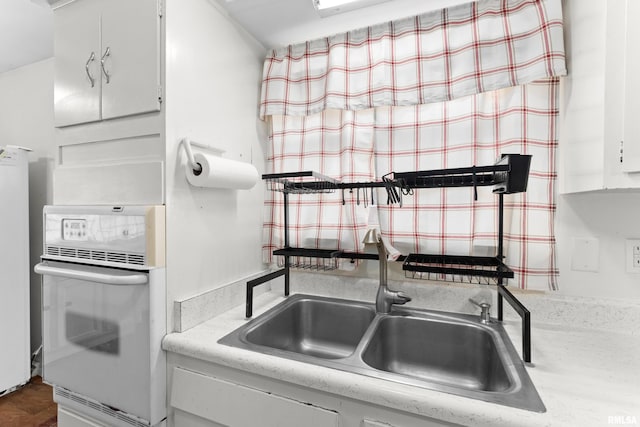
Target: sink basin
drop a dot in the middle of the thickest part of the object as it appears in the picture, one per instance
(438, 351)
(448, 352)
(329, 329)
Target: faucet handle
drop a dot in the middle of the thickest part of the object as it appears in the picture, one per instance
(401, 298)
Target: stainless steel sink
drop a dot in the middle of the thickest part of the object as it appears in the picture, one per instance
(438, 351)
(448, 352)
(314, 327)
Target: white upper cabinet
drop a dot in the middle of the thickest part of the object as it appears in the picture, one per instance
(600, 107)
(631, 153)
(77, 63)
(131, 52)
(107, 60)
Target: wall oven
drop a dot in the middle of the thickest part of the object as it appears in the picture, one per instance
(104, 311)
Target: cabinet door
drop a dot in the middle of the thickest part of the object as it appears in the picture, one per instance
(77, 59)
(131, 57)
(632, 90)
(224, 403)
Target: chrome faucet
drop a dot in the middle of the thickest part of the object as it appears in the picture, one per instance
(385, 297)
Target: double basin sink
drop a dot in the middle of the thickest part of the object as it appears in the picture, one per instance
(447, 352)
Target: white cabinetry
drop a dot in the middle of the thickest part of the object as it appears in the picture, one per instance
(204, 394)
(600, 130)
(631, 162)
(107, 60)
(219, 402)
(77, 54)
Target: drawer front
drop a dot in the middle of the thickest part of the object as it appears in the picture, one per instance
(233, 405)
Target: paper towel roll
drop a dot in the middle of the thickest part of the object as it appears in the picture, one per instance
(218, 172)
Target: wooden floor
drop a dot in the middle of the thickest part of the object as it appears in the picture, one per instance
(31, 406)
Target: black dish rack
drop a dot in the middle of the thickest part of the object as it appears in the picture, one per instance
(509, 175)
(456, 268)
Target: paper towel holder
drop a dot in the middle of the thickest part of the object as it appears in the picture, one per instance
(197, 167)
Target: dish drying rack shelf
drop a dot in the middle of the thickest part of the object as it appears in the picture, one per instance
(309, 259)
(453, 268)
(450, 268)
(300, 182)
(507, 176)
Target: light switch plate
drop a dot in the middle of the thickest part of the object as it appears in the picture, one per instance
(585, 254)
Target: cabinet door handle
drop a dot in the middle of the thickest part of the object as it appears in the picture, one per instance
(106, 54)
(92, 58)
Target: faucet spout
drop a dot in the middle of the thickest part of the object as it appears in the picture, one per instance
(385, 297)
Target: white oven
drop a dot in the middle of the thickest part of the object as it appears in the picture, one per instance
(104, 308)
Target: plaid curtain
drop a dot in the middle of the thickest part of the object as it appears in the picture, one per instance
(434, 57)
(424, 124)
(338, 144)
(469, 131)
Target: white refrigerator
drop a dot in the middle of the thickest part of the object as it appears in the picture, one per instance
(15, 366)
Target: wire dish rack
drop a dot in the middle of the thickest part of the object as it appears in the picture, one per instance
(309, 259)
(452, 268)
(300, 182)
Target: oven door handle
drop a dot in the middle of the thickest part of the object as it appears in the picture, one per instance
(109, 279)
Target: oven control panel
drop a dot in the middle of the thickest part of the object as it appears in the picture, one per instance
(131, 236)
(74, 230)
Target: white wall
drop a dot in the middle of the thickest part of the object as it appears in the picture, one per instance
(611, 218)
(26, 119)
(213, 74)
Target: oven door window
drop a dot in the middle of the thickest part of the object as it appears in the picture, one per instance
(96, 338)
(92, 333)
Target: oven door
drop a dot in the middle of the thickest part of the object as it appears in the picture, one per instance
(95, 327)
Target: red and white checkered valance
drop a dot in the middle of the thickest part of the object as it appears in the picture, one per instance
(438, 56)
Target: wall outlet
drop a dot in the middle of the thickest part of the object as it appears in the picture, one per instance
(633, 255)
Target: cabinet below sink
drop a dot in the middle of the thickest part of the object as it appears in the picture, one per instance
(448, 352)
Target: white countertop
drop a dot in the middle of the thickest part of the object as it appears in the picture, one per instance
(583, 376)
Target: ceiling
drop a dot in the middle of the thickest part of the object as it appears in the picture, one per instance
(26, 32)
(26, 26)
(281, 22)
